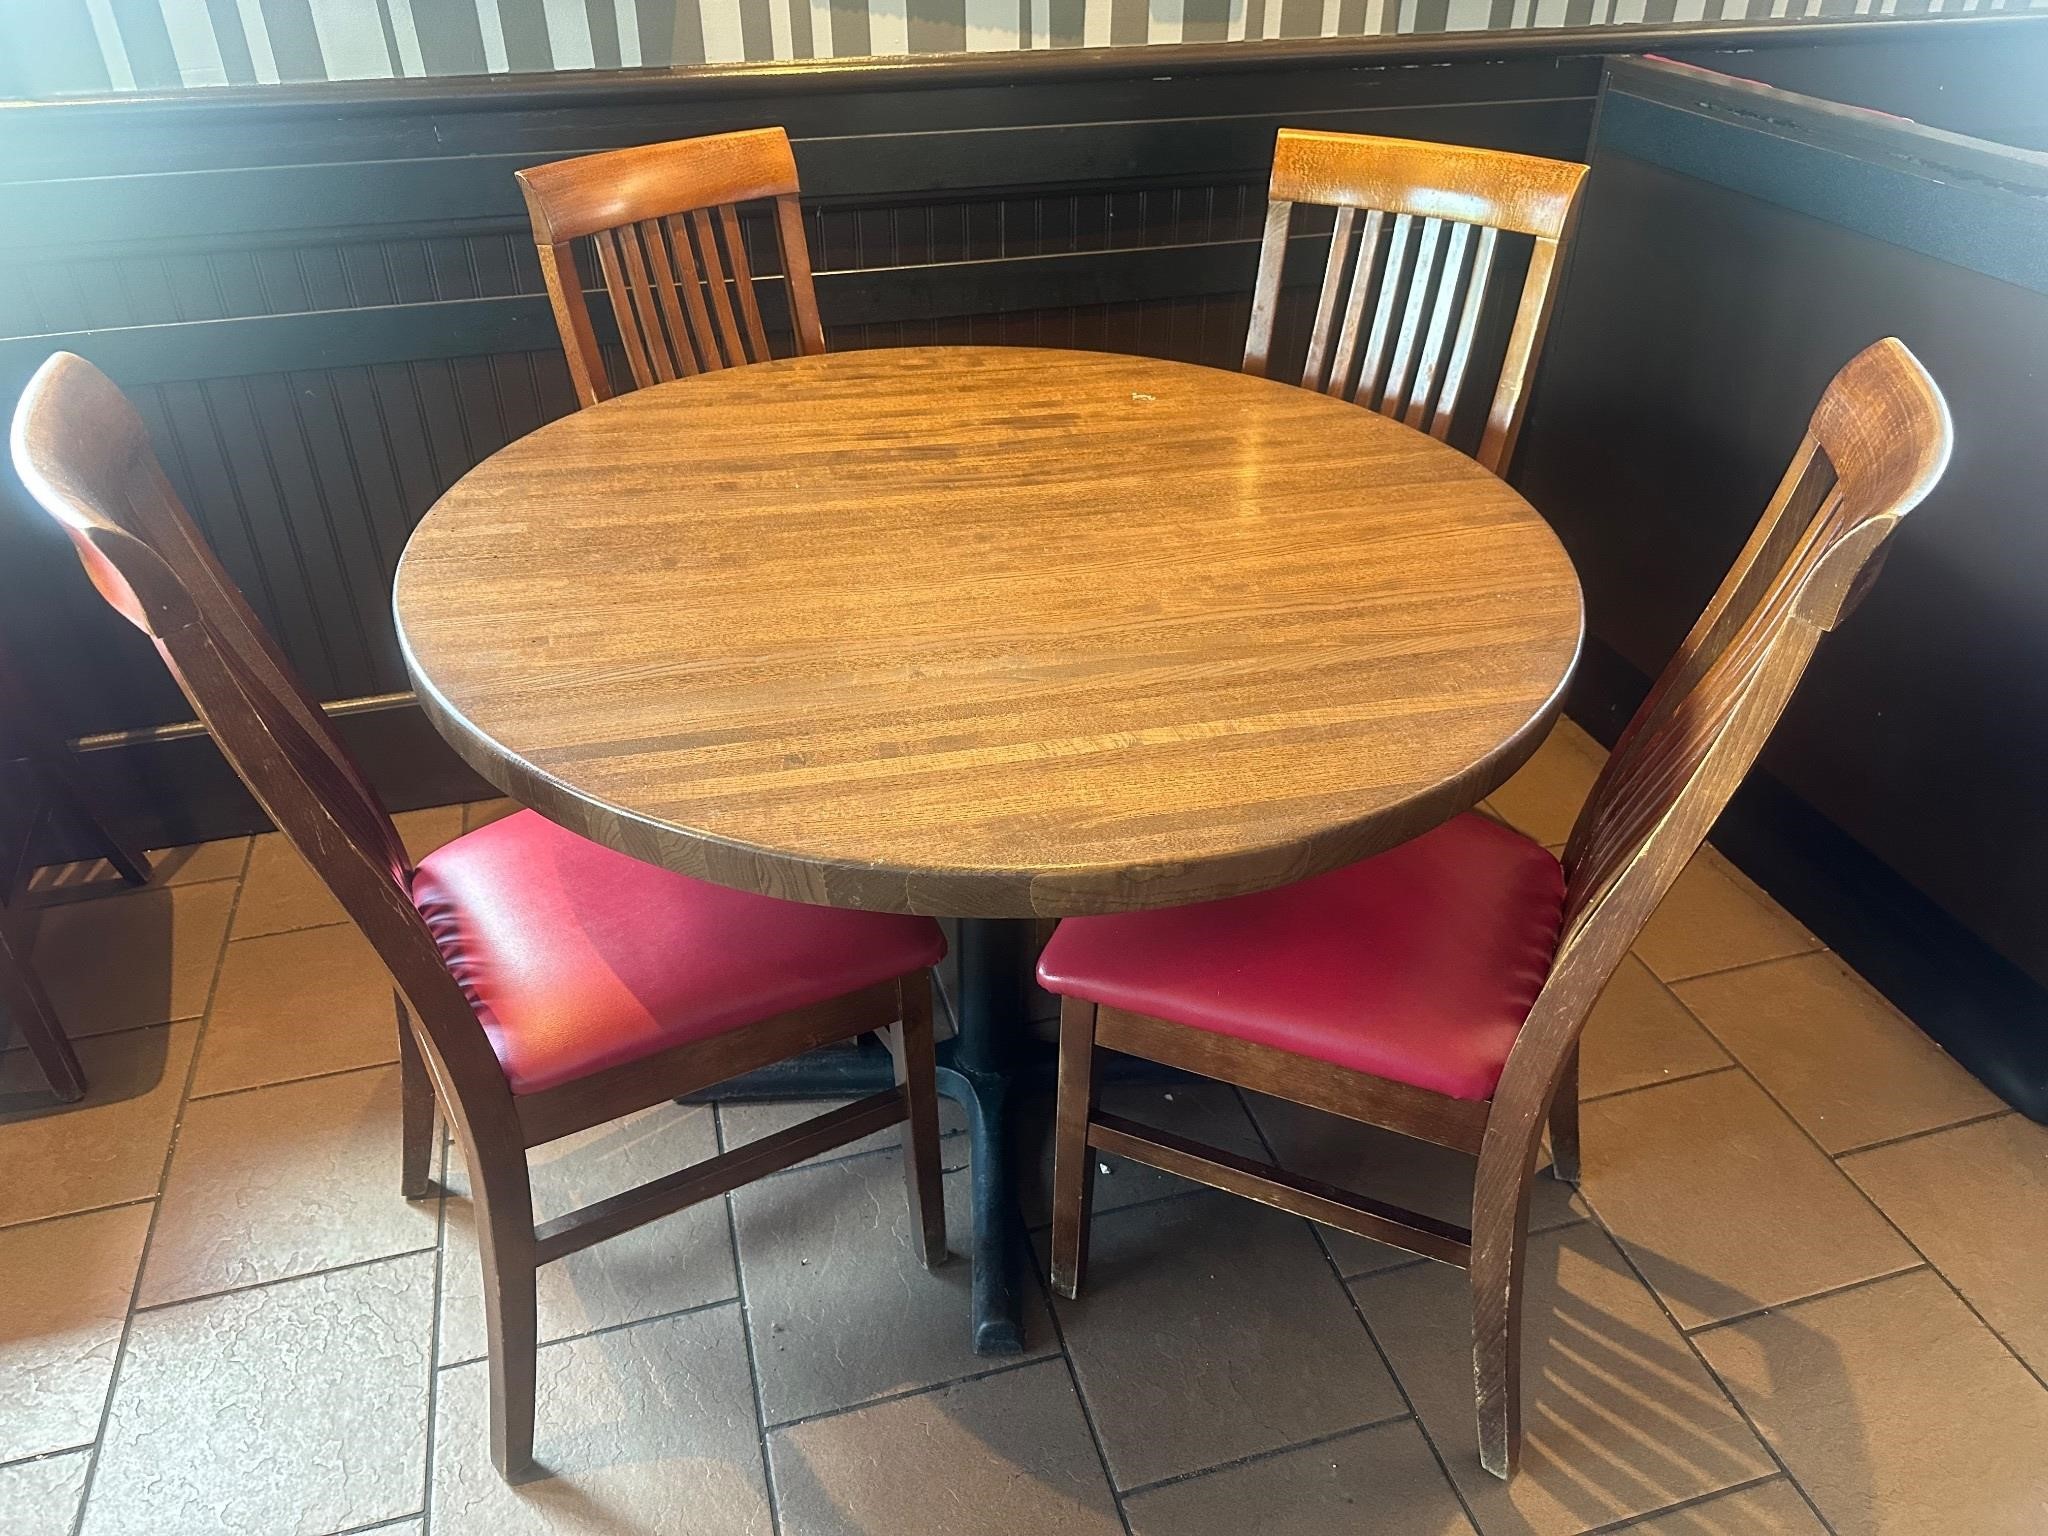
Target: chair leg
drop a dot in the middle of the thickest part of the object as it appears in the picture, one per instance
(1564, 1124)
(911, 1044)
(502, 1201)
(1500, 1228)
(1073, 1166)
(415, 1111)
(21, 992)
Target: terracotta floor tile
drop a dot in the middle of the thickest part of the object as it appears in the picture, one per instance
(1383, 1479)
(481, 813)
(294, 1409)
(751, 1121)
(66, 1285)
(1433, 1180)
(1846, 1064)
(648, 1429)
(1774, 1508)
(283, 1181)
(840, 1308)
(1713, 918)
(297, 1004)
(1619, 1418)
(1895, 1408)
(683, 1260)
(143, 957)
(40, 1498)
(1545, 797)
(106, 1148)
(1724, 1203)
(1207, 1112)
(1641, 1034)
(187, 865)
(995, 1457)
(1975, 1201)
(281, 892)
(1210, 1328)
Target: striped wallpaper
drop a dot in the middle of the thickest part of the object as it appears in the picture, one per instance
(62, 47)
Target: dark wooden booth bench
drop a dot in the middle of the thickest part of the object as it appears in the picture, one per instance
(325, 302)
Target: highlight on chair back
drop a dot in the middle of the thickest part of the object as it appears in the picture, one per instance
(545, 984)
(664, 224)
(1439, 989)
(1423, 258)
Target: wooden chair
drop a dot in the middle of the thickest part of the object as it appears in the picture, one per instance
(657, 215)
(37, 779)
(544, 984)
(1439, 989)
(1424, 271)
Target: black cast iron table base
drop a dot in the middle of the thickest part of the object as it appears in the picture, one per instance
(977, 1070)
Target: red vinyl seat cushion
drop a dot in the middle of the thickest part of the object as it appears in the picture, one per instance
(577, 958)
(1419, 965)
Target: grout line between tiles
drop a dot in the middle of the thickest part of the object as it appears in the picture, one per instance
(92, 1465)
(1674, 982)
(1631, 1522)
(1386, 1360)
(1066, 1358)
(344, 921)
(739, 1283)
(609, 1328)
(1799, 1301)
(382, 1525)
(2003, 1112)
(141, 1309)
(1255, 1457)
(50, 1455)
(109, 1034)
(1662, 1082)
(906, 1393)
(87, 1210)
(287, 1082)
(445, 1147)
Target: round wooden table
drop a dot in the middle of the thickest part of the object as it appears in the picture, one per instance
(988, 633)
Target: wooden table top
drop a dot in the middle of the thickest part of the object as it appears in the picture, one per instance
(988, 631)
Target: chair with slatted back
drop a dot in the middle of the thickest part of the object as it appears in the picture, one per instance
(1415, 242)
(545, 985)
(664, 222)
(1439, 989)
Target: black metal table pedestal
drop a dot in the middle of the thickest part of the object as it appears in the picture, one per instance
(975, 1069)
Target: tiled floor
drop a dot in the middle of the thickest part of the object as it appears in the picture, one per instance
(1801, 1291)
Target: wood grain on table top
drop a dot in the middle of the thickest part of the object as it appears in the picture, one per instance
(988, 631)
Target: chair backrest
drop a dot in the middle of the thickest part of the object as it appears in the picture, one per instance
(1414, 240)
(85, 456)
(664, 219)
(1876, 445)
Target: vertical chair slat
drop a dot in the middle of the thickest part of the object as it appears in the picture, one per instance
(796, 277)
(743, 282)
(1326, 302)
(669, 276)
(1391, 268)
(1447, 293)
(1468, 327)
(1399, 371)
(646, 311)
(622, 308)
(715, 280)
(689, 278)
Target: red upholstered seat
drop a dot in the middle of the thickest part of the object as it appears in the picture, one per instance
(1418, 965)
(578, 958)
